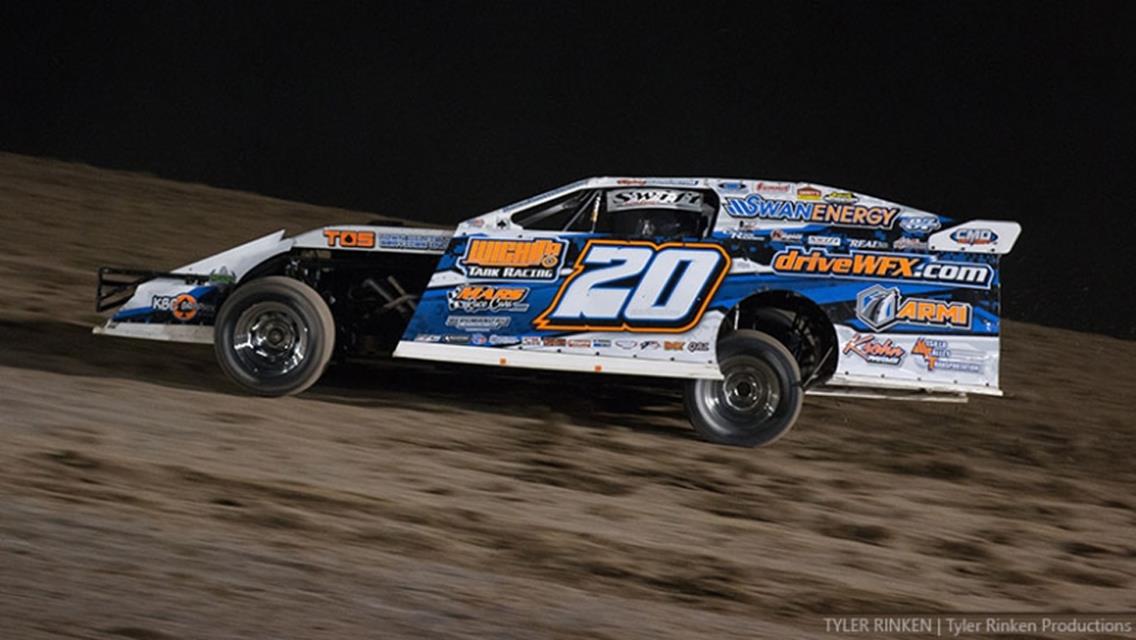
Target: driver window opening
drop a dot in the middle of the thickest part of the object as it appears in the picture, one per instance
(648, 212)
(641, 212)
(570, 212)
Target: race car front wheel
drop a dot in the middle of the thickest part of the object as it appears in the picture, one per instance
(274, 336)
(758, 399)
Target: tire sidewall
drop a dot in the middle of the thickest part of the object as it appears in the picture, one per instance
(731, 349)
(304, 302)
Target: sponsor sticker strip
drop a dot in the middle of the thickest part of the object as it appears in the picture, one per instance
(473, 298)
(848, 215)
(888, 266)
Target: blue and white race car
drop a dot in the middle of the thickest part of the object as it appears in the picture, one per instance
(755, 291)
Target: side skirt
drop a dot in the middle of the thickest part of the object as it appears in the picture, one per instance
(198, 334)
(555, 361)
(879, 394)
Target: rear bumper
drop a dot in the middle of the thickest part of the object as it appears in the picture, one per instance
(926, 386)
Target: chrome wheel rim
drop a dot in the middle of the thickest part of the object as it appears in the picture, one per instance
(270, 339)
(747, 396)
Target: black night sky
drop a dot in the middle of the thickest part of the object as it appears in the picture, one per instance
(442, 110)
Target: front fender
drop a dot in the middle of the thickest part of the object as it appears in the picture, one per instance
(181, 305)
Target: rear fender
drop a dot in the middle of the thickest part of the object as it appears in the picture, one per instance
(931, 337)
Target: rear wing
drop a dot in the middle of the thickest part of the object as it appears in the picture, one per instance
(977, 236)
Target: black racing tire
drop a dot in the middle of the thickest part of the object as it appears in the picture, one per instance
(804, 345)
(274, 336)
(758, 400)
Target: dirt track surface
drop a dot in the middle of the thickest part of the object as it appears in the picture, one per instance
(141, 496)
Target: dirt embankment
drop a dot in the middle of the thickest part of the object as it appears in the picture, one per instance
(143, 497)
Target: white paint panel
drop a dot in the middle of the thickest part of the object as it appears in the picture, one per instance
(554, 361)
(165, 332)
(316, 238)
(977, 236)
(960, 363)
(893, 383)
(240, 259)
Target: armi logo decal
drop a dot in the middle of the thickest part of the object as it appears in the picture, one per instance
(882, 307)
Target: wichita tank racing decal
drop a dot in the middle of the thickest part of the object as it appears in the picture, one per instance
(637, 286)
(491, 259)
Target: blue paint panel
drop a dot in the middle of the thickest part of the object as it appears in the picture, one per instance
(837, 296)
(205, 294)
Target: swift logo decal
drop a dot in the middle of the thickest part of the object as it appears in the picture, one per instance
(637, 286)
(668, 198)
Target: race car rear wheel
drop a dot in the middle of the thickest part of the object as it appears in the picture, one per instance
(274, 336)
(758, 399)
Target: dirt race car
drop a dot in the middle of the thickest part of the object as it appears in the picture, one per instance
(755, 291)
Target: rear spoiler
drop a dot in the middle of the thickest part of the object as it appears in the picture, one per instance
(977, 236)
